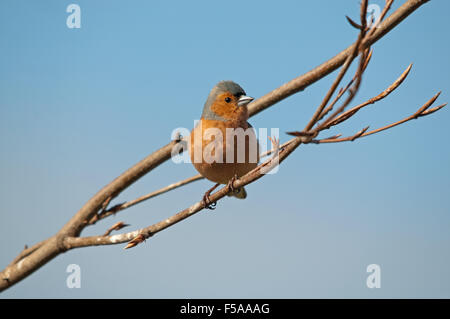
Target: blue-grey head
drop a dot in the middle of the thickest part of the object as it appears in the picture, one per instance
(231, 93)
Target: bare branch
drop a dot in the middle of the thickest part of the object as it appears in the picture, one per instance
(352, 92)
(119, 207)
(137, 236)
(300, 83)
(344, 116)
(68, 238)
(342, 72)
(423, 111)
(353, 23)
(27, 251)
(116, 226)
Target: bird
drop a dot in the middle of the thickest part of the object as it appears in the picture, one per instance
(223, 145)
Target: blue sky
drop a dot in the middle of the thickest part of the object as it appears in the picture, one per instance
(80, 106)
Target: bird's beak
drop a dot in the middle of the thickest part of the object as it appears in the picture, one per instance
(244, 100)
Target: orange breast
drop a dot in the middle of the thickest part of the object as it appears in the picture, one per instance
(218, 154)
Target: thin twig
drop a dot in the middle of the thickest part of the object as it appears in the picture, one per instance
(138, 236)
(344, 69)
(333, 87)
(423, 111)
(57, 244)
(117, 208)
(344, 116)
(116, 226)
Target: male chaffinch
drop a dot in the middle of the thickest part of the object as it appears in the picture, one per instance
(224, 117)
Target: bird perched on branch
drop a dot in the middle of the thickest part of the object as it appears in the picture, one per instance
(223, 145)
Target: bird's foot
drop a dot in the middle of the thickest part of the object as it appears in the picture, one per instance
(230, 184)
(207, 201)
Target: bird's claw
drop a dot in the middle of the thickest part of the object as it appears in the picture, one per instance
(231, 182)
(207, 202)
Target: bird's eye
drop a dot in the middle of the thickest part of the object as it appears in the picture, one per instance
(228, 99)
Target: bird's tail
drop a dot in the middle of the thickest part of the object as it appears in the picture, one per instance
(239, 193)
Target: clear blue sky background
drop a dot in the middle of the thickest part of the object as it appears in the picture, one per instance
(78, 107)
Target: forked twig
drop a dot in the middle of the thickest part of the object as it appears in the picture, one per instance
(344, 116)
(423, 111)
